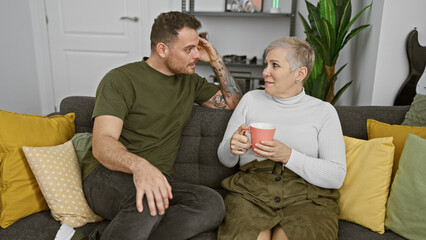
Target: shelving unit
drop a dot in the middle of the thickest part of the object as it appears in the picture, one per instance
(240, 14)
(259, 64)
(292, 14)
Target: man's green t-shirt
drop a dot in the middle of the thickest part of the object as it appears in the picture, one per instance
(154, 108)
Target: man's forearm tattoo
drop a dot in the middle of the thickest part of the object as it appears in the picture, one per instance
(229, 87)
(219, 101)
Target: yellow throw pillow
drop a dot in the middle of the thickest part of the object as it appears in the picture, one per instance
(365, 190)
(20, 195)
(58, 175)
(376, 129)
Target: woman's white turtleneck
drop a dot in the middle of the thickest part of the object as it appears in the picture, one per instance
(307, 125)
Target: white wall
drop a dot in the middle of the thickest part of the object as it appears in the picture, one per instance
(19, 90)
(377, 60)
(364, 50)
(399, 18)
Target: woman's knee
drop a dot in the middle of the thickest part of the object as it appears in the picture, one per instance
(278, 233)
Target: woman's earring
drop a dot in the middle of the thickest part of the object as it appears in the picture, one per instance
(297, 80)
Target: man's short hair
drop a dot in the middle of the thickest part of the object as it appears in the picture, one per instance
(299, 53)
(166, 26)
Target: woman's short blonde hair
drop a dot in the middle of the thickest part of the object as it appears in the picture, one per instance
(299, 53)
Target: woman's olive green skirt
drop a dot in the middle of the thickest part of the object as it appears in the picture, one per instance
(263, 195)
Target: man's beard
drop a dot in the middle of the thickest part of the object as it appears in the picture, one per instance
(178, 70)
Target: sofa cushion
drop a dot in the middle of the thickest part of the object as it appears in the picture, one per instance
(59, 177)
(353, 231)
(20, 195)
(405, 213)
(41, 225)
(365, 190)
(376, 129)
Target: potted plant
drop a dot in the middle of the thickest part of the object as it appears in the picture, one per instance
(328, 32)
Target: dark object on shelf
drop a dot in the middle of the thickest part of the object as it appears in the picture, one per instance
(417, 61)
(235, 58)
(253, 60)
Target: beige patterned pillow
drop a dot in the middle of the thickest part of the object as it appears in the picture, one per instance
(58, 175)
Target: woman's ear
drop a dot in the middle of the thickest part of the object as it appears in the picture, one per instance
(301, 73)
(162, 50)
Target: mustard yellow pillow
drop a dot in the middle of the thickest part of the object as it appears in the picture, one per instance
(20, 195)
(365, 190)
(58, 175)
(376, 129)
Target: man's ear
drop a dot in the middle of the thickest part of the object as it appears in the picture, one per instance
(162, 50)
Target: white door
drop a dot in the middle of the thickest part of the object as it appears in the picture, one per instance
(87, 38)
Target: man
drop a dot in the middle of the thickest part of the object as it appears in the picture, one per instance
(139, 113)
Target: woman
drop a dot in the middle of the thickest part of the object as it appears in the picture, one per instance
(287, 188)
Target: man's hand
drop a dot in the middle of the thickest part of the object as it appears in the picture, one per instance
(207, 51)
(149, 181)
(239, 143)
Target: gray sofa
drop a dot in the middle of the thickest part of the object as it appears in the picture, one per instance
(197, 162)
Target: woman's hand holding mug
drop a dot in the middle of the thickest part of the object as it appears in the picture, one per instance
(239, 142)
(258, 131)
(273, 150)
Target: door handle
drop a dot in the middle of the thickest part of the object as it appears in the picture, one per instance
(134, 19)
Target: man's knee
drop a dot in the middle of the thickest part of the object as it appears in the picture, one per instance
(211, 206)
(131, 224)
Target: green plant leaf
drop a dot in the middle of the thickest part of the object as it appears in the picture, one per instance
(318, 67)
(331, 41)
(317, 44)
(316, 71)
(345, 18)
(352, 22)
(340, 92)
(305, 24)
(339, 6)
(327, 35)
(353, 33)
(328, 11)
(318, 86)
(315, 19)
(333, 79)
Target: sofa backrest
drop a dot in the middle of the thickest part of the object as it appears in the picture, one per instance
(197, 160)
(354, 118)
(82, 106)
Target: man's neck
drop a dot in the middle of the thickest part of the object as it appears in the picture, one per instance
(158, 64)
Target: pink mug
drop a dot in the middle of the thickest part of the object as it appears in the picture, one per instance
(260, 132)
